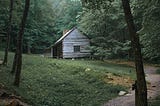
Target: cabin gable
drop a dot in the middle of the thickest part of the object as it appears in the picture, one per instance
(75, 45)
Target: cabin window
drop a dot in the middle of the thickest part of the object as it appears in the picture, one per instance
(76, 48)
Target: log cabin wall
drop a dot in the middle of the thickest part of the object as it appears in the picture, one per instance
(75, 45)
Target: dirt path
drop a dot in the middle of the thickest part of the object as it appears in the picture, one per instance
(129, 99)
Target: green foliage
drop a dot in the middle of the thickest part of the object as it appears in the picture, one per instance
(67, 14)
(64, 82)
(46, 21)
(104, 19)
(39, 28)
(150, 29)
(3, 14)
(106, 28)
(114, 49)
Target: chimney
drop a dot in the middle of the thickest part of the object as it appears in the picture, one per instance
(65, 31)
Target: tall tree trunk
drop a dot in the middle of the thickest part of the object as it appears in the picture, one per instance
(28, 48)
(14, 63)
(18, 54)
(141, 88)
(8, 33)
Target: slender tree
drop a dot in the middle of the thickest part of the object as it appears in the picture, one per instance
(8, 33)
(141, 88)
(14, 63)
(18, 54)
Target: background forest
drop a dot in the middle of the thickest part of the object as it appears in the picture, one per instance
(105, 26)
(32, 26)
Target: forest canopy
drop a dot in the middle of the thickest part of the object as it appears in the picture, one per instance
(104, 24)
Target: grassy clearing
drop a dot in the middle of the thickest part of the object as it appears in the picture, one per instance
(155, 102)
(158, 71)
(53, 82)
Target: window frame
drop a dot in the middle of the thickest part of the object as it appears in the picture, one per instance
(76, 48)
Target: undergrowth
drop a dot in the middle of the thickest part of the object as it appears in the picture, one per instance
(158, 71)
(155, 102)
(53, 82)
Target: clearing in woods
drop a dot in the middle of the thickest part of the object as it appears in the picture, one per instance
(153, 86)
(68, 82)
(63, 82)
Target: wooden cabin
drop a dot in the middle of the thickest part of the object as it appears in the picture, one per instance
(73, 44)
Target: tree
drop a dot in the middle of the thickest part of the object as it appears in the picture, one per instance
(150, 30)
(46, 21)
(106, 28)
(39, 27)
(18, 54)
(3, 14)
(141, 88)
(66, 17)
(39, 30)
(8, 33)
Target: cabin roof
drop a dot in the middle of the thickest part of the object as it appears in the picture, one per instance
(65, 35)
(61, 38)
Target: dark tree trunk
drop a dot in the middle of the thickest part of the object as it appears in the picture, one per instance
(14, 63)
(28, 49)
(18, 54)
(8, 33)
(141, 88)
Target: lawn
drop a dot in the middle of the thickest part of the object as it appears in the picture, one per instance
(60, 82)
(158, 71)
(155, 102)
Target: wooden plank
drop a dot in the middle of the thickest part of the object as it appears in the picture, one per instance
(76, 53)
(74, 42)
(69, 49)
(76, 56)
(71, 54)
(75, 38)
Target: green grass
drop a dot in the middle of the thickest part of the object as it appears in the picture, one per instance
(155, 102)
(158, 71)
(53, 82)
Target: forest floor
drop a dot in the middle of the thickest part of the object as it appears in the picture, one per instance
(9, 99)
(72, 82)
(55, 82)
(153, 86)
(0, 62)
